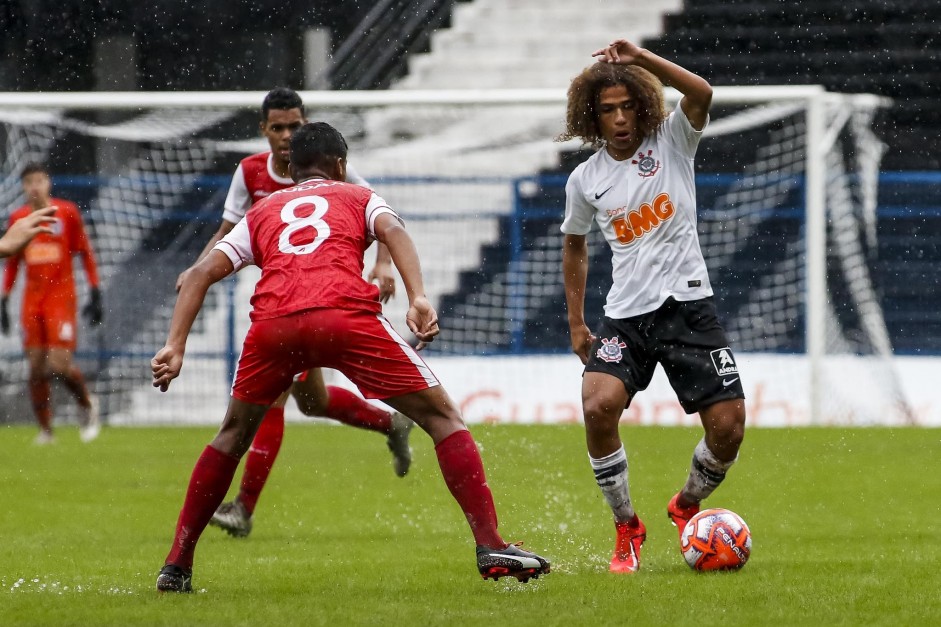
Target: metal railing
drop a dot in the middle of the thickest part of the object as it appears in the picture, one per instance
(371, 57)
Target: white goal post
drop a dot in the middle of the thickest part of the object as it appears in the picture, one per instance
(402, 117)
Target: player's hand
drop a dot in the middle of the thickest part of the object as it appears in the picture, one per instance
(582, 339)
(166, 366)
(4, 317)
(179, 279)
(619, 52)
(422, 320)
(383, 276)
(26, 228)
(93, 311)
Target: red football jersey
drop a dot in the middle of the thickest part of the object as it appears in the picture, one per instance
(48, 257)
(309, 242)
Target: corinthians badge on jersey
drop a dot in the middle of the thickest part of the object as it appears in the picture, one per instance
(610, 350)
(647, 166)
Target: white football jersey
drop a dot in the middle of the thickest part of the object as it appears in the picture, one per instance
(240, 198)
(646, 208)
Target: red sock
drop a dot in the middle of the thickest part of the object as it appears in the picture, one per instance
(39, 395)
(346, 407)
(208, 484)
(75, 382)
(463, 471)
(261, 456)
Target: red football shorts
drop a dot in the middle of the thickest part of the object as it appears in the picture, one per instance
(360, 344)
(49, 323)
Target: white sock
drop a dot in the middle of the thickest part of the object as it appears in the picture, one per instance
(706, 472)
(611, 476)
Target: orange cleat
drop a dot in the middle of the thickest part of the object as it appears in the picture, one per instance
(680, 515)
(630, 538)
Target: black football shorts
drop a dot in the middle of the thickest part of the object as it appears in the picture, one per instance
(685, 338)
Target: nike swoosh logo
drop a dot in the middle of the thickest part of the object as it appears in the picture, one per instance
(729, 382)
(598, 196)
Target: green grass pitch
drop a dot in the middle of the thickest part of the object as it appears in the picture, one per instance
(844, 523)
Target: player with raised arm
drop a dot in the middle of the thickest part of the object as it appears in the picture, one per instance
(257, 177)
(639, 188)
(312, 308)
(49, 301)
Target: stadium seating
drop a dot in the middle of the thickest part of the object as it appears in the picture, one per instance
(493, 43)
(889, 48)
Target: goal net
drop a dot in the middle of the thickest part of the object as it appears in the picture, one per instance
(786, 183)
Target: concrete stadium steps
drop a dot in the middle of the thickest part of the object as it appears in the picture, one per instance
(494, 44)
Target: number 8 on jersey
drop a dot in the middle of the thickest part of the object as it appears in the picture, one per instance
(296, 224)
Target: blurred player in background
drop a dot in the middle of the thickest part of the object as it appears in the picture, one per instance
(49, 302)
(258, 176)
(313, 237)
(25, 229)
(640, 189)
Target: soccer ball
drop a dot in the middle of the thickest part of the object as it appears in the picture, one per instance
(716, 539)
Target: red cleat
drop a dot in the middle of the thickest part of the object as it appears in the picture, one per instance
(680, 515)
(630, 538)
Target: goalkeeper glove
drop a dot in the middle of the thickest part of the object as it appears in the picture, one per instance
(92, 310)
(4, 316)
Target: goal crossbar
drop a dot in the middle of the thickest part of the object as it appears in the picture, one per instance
(368, 98)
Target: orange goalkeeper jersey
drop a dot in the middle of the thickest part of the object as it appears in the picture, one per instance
(48, 258)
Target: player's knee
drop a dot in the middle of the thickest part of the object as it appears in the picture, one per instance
(440, 422)
(234, 437)
(56, 372)
(58, 368)
(41, 372)
(602, 410)
(233, 442)
(734, 433)
(38, 370)
(728, 426)
(737, 427)
(601, 414)
(453, 416)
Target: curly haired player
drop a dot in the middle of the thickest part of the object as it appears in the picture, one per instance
(639, 188)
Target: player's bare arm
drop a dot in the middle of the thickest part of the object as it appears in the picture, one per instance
(422, 319)
(575, 277)
(382, 273)
(25, 229)
(221, 232)
(168, 361)
(697, 93)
